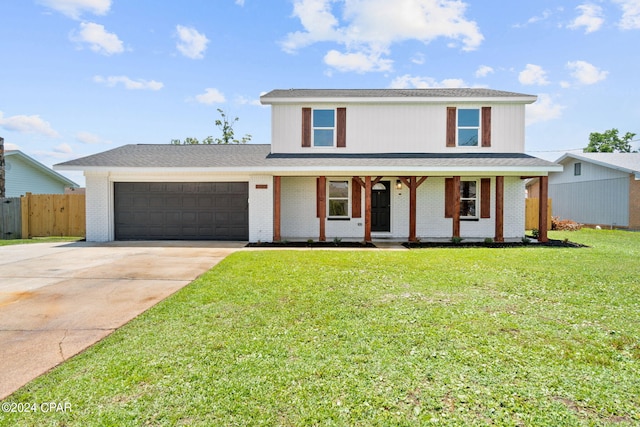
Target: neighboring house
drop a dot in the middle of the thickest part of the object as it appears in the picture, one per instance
(24, 174)
(348, 164)
(598, 189)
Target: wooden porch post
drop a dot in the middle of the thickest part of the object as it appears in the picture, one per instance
(543, 208)
(499, 237)
(412, 183)
(456, 206)
(367, 209)
(322, 206)
(276, 209)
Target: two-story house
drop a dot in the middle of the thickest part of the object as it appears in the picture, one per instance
(350, 164)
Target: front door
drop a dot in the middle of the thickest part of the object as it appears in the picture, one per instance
(381, 206)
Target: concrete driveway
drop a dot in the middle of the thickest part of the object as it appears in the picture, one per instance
(56, 299)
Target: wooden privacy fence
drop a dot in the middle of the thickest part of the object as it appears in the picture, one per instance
(532, 205)
(53, 215)
(10, 216)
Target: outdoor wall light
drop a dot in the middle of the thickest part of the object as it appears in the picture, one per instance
(398, 184)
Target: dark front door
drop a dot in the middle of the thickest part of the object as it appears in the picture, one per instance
(381, 206)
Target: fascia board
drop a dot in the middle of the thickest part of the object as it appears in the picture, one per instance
(337, 170)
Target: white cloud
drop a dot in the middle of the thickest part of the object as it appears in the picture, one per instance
(63, 148)
(99, 39)
(418, 59)
(358, 62)
(368, 28)
(211, 96)
(590, 18)
(484, 71)
(422, 82)
(585, 73)
(140, 84)
(74, 8)
(544, 109)
(89, 138)
(241, 100)
(27, 124)
(11, 146)
(533, 75)
(240, 2)
(192, 44)
(630, 14)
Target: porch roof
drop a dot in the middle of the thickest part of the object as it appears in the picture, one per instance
(257, 158)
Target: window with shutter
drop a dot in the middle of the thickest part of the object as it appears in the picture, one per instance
(468, 127)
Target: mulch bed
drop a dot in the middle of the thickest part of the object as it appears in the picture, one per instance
(358, 245)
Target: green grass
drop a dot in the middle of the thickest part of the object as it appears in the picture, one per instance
(52, 239)
(510, 337)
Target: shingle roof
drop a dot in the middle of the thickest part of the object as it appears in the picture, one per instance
(391, 93)
(258, 157)
(626, 162)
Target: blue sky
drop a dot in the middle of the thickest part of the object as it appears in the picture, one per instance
(83, 76)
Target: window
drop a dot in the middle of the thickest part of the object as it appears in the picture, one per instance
(338, 199)
(577, 169)
(324, 123)
(468, 199)
(468, 127)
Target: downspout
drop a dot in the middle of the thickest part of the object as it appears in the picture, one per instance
(2, 175)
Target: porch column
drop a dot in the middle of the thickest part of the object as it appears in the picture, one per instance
(367, 209)
(456, 206)
(276, 209)
(543, 208)
(499, 237)
(412, 183)
(322, 206)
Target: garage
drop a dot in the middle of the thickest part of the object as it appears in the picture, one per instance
(181, 210)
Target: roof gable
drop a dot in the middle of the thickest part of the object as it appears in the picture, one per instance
(36, 165)
(624, 162)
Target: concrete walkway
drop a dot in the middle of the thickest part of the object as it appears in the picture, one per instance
(57, 299)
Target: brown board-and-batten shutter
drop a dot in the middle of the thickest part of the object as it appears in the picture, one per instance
(485, 198)
(486, 126)
(356, 199)
(341, 128)
(448, 197)
(306, 127)
(451, 126)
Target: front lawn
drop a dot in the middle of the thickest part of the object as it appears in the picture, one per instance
(531, 336)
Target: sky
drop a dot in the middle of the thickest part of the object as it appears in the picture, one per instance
(79, 77)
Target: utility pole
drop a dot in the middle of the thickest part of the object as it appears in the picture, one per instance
(2, 176)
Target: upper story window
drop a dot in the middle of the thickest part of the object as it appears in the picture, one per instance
(468, 127)
(324, 125)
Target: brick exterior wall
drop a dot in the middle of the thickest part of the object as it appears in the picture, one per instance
(99, 208)
(260, 208)
(634, 203)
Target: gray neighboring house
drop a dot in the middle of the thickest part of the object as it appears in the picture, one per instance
(25, 174)
(598, 189)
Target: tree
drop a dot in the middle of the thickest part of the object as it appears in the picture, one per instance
(609, 142)
(228, 134)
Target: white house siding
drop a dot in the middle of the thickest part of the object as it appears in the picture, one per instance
(599, 195)
(22, 178)
(299, 221)
(398, 128)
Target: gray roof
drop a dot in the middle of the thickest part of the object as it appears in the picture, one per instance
(256, 157)
(625, 162)
(391, 93)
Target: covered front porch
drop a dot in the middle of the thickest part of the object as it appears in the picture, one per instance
(402, 208)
